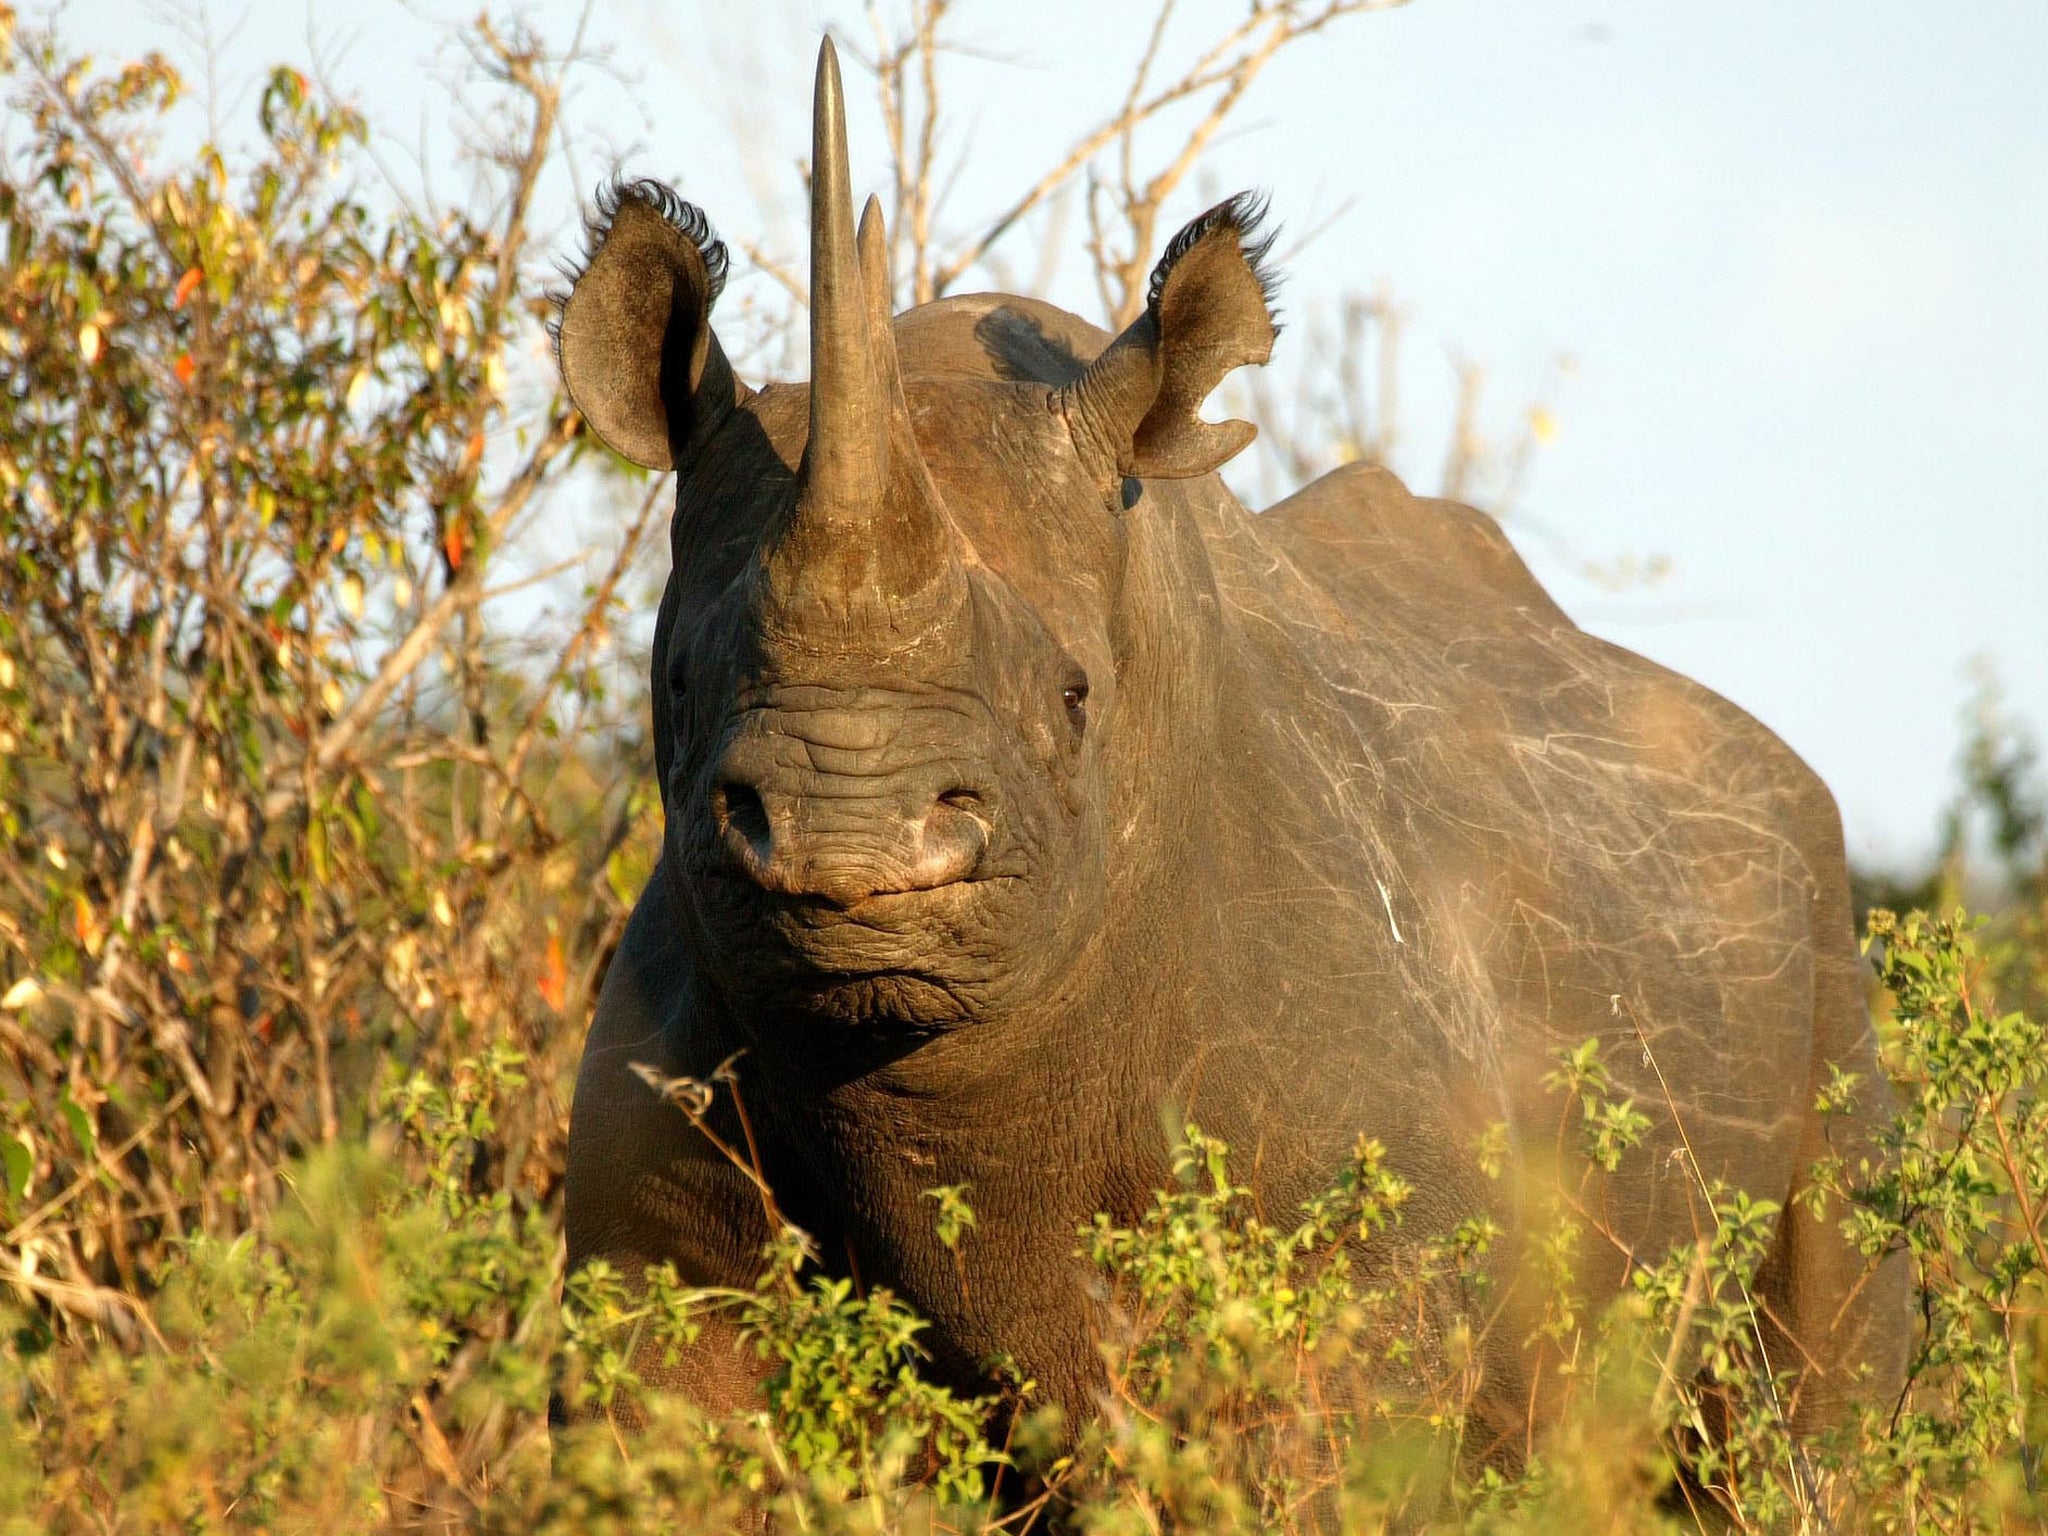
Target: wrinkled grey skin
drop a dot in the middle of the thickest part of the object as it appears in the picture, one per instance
(1024, 792)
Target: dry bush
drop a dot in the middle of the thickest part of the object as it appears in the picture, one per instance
(284, 822)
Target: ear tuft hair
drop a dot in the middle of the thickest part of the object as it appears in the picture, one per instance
(1245, 217)
(632, 333)
(1136, 412)
(685, 218)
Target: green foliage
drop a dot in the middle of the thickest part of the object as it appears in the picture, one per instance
(305, 1376)
(260, 443)
(326, 1370)
(1993, 852)
(1210, 1281)
(955, 1218)
(846, 1403)
(1608, 1126)
(1961, 1197)
(1249, 1360)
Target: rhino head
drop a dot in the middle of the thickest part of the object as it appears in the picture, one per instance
(894, 754)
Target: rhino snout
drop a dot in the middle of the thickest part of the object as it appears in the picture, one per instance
(843, 838)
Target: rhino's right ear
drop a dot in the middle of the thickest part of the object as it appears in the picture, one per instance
(635, 341)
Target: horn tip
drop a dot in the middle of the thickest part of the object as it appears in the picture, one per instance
(872, 243)
(828, 66)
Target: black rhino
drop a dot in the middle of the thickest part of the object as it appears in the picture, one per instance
(1019, 782)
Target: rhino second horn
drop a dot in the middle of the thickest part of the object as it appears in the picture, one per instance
(909, 475)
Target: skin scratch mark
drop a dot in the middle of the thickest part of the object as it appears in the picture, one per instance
(1387, 901)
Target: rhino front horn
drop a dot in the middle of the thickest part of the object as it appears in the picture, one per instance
(869, 558)
(846, 462)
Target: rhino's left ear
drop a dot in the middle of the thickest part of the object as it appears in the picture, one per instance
(635, 341)
(1136, 410)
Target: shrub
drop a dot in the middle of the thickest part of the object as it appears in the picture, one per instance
(340, 1366)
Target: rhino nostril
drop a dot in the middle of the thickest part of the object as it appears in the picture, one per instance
(741, 807)
(961, 800)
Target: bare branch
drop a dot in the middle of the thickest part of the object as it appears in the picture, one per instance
(593, 618)
(455, 598)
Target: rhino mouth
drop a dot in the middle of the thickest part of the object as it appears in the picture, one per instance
(911, 932)
(916, 959)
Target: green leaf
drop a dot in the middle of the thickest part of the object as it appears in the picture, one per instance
(81, 1124)
(618, 878)
(19, 1164)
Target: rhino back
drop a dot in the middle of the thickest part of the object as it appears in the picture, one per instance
(1595, 847)
(998, 336)
(1552, 839)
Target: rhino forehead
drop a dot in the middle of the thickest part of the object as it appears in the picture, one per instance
(1002, 459)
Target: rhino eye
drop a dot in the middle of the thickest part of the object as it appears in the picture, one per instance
(1074, 696)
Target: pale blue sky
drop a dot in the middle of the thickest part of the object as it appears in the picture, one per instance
(1798, 251)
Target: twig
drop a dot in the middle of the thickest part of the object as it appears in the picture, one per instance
(102, 1159)
(593, 616)
(458, 595)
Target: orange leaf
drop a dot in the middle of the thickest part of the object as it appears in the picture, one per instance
(184, 368)
(554, 981)
(452, 543)
(186, 284)
(86, 925)
(474, 450)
